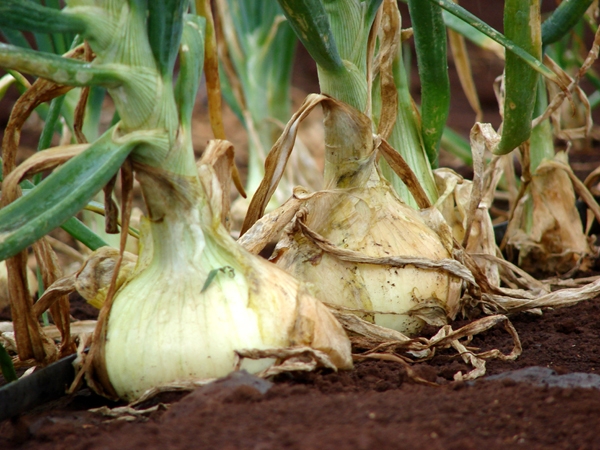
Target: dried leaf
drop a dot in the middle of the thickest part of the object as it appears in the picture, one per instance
(556, 241)
(219, 154)
(449, 266)
(124, 411)
(276, 161)
(403, 170)
(563, 297)
(93, 279)
(390, 30)
(288, 359)
(463, 68)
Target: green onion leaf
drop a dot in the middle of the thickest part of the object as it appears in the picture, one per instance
(563, 19)
(164, 31)
(26, 15)
(522, 24)
(311, 24)
(191, 59)
(430, 42)
(509, 45)
(61, 195)
(61, 70)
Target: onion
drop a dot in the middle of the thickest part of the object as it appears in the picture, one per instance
(196, 297)
(340, 237)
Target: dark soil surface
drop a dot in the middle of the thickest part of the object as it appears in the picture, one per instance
(374, 406)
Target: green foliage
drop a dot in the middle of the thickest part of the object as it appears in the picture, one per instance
(522, 26)
(431, 48)
(190, 69)
(310, 21)
(26, 15)
(6, 365)
(563, 19)
(61, 195)
(165, 26)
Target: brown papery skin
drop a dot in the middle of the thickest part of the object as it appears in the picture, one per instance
(359, 211)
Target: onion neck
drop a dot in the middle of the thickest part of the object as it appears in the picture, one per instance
(178, 216)
(349, 155)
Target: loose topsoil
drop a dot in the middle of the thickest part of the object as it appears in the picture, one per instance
(374, 406)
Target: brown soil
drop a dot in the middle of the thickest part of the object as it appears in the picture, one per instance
(374, 406)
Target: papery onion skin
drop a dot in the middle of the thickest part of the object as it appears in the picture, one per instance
(167, 325)
(374, 222)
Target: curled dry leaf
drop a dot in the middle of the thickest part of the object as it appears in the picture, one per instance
(381, 340)
(92, 280)
(125, 412)
(562, 297)
(554, 241)
(454, 204)
(294, 359)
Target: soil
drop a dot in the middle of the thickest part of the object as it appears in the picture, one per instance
(374, 406)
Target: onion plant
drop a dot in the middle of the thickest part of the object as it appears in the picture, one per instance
(545, 225)
(552, 234)
(257, 54)
(357, 211)
(194, 297)
(396, 253)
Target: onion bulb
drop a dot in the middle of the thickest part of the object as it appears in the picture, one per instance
(343, 239)
(373, 221)
(195, 297)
